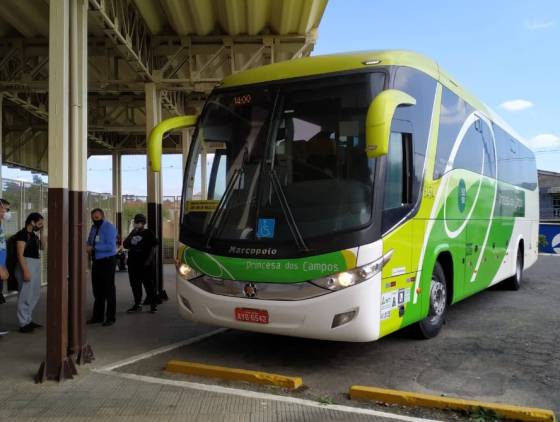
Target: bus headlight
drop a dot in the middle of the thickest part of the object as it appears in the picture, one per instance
(352, 277)
(187, 272)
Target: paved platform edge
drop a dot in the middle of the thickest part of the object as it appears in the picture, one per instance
(407, 398)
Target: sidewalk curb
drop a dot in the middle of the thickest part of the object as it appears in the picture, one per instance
(407, 398)
(235, 374)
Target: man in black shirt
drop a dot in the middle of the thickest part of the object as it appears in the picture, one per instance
(141, 244)
(28, 270)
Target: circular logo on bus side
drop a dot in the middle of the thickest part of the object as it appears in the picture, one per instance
(462, 195)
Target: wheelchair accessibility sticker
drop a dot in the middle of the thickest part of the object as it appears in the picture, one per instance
(265, 228)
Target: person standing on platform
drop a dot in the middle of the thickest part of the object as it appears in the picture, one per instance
(29, 243)
(141, 244)
(4, 215)
(102, 248)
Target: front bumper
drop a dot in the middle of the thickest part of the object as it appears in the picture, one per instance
(309, 318)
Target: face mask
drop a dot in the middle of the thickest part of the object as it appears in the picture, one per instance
(98, 223)
(36, 229)
(8, 216)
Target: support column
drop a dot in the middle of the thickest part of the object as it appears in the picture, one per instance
(78, 349)
(153, 117)
(57, 365)
(117, 192)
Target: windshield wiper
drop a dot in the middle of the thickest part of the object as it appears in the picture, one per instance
(212, 224)
(296, 233)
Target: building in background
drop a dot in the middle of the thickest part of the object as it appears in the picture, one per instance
(549, 197)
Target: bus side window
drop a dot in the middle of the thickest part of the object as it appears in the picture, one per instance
(397, 197)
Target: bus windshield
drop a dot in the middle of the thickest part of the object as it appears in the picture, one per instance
(282, 162)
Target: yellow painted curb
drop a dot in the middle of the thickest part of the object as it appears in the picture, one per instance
(235, 374)
(519, 413)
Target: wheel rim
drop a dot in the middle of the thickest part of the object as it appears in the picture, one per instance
(438, 300)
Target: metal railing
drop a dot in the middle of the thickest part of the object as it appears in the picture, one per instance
(28, 197)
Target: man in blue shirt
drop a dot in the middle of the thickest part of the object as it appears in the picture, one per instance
(4, 214)
(102, 248)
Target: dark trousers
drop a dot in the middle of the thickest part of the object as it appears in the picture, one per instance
(141, 275)
(103, 282)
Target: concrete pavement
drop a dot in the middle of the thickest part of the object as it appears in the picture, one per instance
(101, 396)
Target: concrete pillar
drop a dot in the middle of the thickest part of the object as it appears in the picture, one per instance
(117, 192)
(153, 117)
(57, 366)
(78, 349)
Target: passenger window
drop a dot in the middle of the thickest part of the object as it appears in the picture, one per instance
(454, 111)
(489, 151)
(423, 88)
(398, 180)
(469, 155)
(395, 177)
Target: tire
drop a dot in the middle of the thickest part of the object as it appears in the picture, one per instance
(514, 282)
(430, 326)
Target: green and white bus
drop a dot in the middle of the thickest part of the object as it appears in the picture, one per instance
(344, 197)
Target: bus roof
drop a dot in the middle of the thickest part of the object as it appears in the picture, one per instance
(341, 62)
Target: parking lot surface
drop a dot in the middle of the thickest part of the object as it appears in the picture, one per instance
(498, 345)
(101, 396)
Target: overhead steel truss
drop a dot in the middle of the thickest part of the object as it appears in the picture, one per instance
(184, 68)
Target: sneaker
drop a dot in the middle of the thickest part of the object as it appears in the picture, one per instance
(3, 332)
(35, 325)
(134, 309)
(93, 321)
(26, 329)
(2, 299)
(153, 309)
(108, 323)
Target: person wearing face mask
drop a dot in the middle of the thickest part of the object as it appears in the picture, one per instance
(4, 212)
(29, 242)
(141, 244)
(102, 248)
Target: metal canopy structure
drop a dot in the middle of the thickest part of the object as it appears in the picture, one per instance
(83, 77)
(183, 47)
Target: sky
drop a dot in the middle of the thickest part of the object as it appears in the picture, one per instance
(505, 52)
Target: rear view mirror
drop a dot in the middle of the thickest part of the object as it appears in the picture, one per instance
(156, 137)
(379, 118)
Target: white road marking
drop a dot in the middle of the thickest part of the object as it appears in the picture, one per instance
(158, 351)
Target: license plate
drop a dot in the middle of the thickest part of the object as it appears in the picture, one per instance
(257, 316)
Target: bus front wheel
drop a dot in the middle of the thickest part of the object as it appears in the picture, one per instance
(431, 325)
